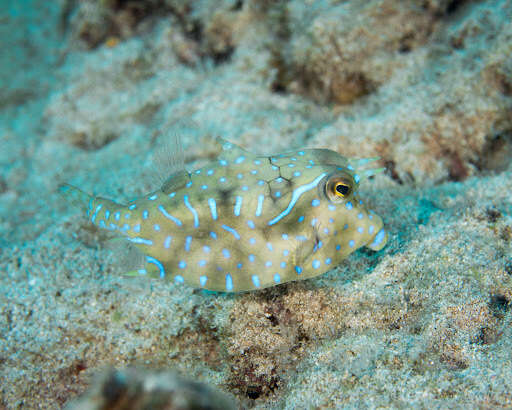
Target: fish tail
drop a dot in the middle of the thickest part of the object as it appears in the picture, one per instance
(77, 198)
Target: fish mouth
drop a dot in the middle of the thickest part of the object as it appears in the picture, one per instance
(379, 240)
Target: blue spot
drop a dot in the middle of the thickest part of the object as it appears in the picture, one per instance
(226, 253)
(275, 168)
(360, 229)
(198, 171)
(328, 261)
(345, 226)
(107, 214)
(231, 231)
(283, 265)
(316, 264)
(125, 227)
(360, 215)
(240, 159)
(213, 208)
(255, 280)
(338, 247)
(189, 184)
(250, 224)
(239, 265)
(136, 228)
(166, 214)
(179, 279)
(326, 231)
(356, 178)
(320, 244)
(213, 235)
(127, 216)
(261, 182)
(204, 186)
(298, 269)
(172, 194)
(257, 162)
(239, 176)
(254, 171)
(268, 264)
(300, 153)
(157, 263)
(222, 179)
(245, 188)
(279, 179)
(278, 194)
(311, 162)
(269, 246)
(331, 207)
(167, 242)
(350, 167)
(117, 215)
(284, 236)
(301, 238)
(351, 243)
(252, 241)
(360, 202)
(309, 166)
(370, 216)
(251, 258)
(202, 262)
(182, 264)
(202, 280)
(206, 249)
(277, 278)
(191, 209)
(142, 271)
(295, 197)
(210, 172)
(156, 227)
(301, 218)
(131, 207)
(291, 165)
(102, 224)
(229, 282)
(223, 162)
(141, 241)
(331, 220)
(188, 240)
(349, 205)
(286, 252)
(371, 229)
(153, 197)
(293, 159)
(315, 202)
(297, 174)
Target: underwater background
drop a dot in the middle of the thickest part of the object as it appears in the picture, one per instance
(90, 91)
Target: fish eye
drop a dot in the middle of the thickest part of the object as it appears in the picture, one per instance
(339, 187)
(342, 189)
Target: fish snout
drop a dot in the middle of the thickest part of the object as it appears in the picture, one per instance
(379, 240)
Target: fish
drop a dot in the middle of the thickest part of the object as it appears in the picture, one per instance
(244, 221)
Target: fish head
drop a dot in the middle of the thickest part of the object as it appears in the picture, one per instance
(334, 207)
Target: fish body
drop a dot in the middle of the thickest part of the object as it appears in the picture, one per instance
(246, 221)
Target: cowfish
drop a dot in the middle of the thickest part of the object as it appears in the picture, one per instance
(244, 221)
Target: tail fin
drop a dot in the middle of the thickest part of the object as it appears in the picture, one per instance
(77, 198)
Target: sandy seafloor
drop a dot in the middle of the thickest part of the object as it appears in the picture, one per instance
(89, 92)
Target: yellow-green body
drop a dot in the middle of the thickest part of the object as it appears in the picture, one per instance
(247, 222)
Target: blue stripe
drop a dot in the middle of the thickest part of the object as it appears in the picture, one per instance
(295, 197)
(229, 282)
(256, 281)
(167, 242)
(187, 243)
(231, 230)
(194, 212)
(213, 208)
(260, 204)
(141, 241)
(168, 215)
(96, 212)
(238, 205)
(150, 259)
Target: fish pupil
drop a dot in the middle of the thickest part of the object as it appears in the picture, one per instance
(342, 189)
